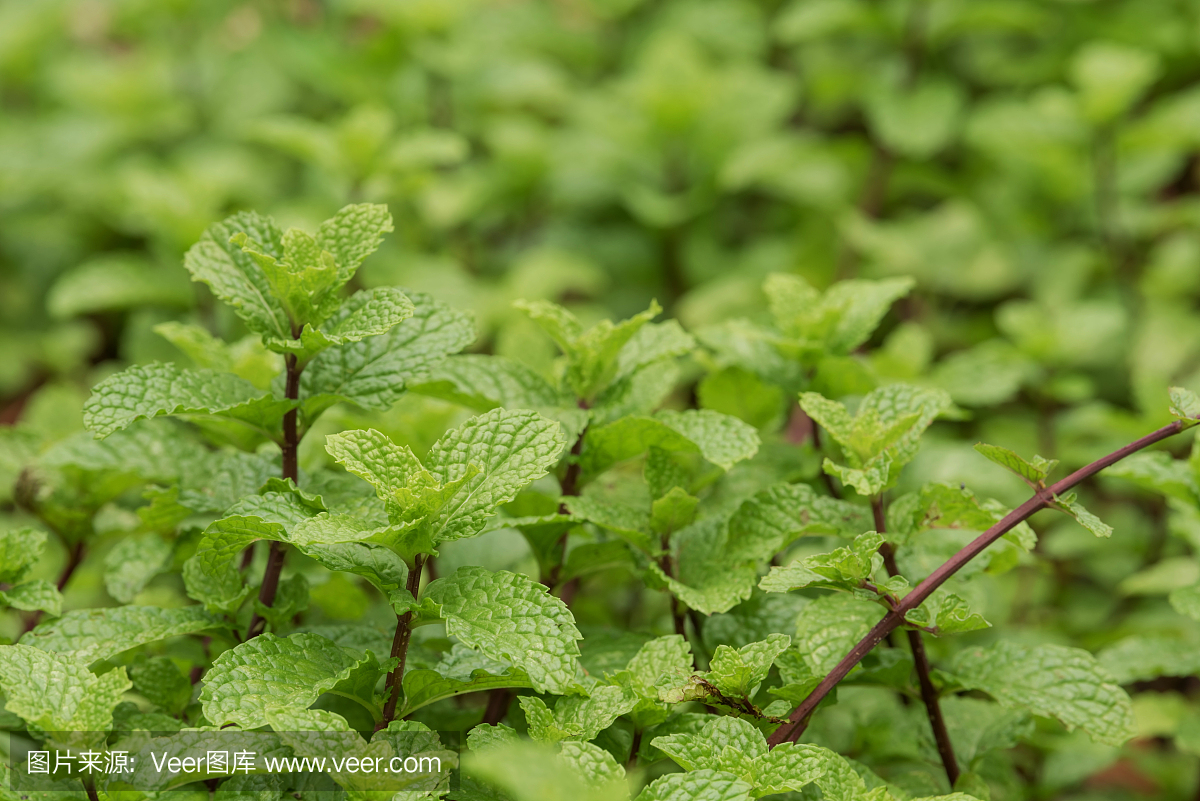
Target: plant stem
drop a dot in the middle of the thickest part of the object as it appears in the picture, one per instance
(929, 693)
(497, 705)
(290, 446)
(395, 679)
(74, 557)
(570, 488)
(634, 747)
(1043, 497)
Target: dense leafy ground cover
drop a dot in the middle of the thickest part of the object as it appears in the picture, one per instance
(653, 391)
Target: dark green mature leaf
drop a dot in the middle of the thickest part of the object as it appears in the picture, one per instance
(1066, 683)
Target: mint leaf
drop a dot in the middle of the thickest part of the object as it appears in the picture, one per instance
(830, 626)
(1066, 683)
(742, 394)
(1143, 657)
(736, 671)
(353, 234)
(778, 515)
(1185, 406)
(161, 683)
(93, 634)
(462, 671)
(719, 438)
(848, 568)
(1068, 504)
(510, 617)
(699, 785)
(270, 672)
(838, 320)
(509, 449)
(39, 595)
(947, 613)
(482, 383)
(235, 277)
(673, 511)
(578, 717)
(1033, 471)
(375, 372)
(151, 390)
(56, 692)
(132, 563)
(20, 549)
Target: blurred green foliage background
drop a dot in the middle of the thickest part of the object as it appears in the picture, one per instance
(1034, 165)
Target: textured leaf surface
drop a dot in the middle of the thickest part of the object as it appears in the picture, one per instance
(484, 382)
(462, 671)
(699, 785)
(353, 234)
(1143, 657)
(510, 617)
(34, 595)
(770, 521)
(57, 692)
(92, 634)
(719, 438)
(1032, 470)
(1066, 683)
(510, 449)
(132, 563)
(20, 548)
(375, 372)
(271, 672)
(235, 277)
(830, 626)
(151, 390)
(1185, 405)
(736, 671)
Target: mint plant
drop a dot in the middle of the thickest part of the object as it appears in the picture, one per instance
(443, 577)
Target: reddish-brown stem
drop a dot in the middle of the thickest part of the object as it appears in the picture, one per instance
(1042, 497)
(497, 705)
(570, 488)
(395, 679)
(74, 557)
(929, 693)
(290, 446)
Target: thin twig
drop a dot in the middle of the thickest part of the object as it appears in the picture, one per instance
(798, 719)
(929, 693)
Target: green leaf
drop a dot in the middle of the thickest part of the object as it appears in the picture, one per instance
(597, 766)
(270, 672)
(699, 785)
(714, 573)
(510, 449)
(161, 683)
(592, 355)
(1144, 657)
(830, 626)
(742, 394)
(846, 568)
(463, 671)
(884, 434)
(20, 549)
(1033, 471)
(719, 438)
(947, 613)
(628, 523)
(151, 390)
(915, 122)
(1158, 471)
(33, 596)
(1185, 406)
(578, 717)
(132, 563)
(1066, 683)
(375, 372)
(483, 383)
(235, 277)
(510, 617)
(1186, 601)
(673, 511)
(376, 563)
(736, 671)
(116, 281)
(1111, 77)
(56, 692)
(1068, 504)
(353, 234)
(837, 321)
(663, 657)
(939, 506)
(94, 634)
(775, 517)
